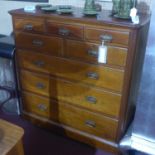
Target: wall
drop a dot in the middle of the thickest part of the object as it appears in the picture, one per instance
(5, 6)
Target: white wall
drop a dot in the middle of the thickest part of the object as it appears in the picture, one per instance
(5, 6)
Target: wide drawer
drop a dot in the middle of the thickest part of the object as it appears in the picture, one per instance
(86, 97)
(99, 76)
(29, 25)
(89, 122)
(112, 36)
(65, 30)
(36, 104)
(89, 52)
(39, 43)
(35, 83)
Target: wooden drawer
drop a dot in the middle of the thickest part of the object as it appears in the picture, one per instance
(33, 61)
(35, 82)
(99, 76)
(89, 52)
(39, 43)
(65, 30)
(86, 97)
(36, 104)
(89, 122)
(118, 37)
(29, 25)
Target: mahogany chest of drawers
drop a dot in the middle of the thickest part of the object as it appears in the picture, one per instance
(63, 86)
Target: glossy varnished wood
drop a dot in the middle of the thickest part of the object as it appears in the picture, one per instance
(44, 44)
(72, 31)
(35, 83)
(99, 76)
(86, 100)
(88, 52)
(30, 25)
(10, 139)
(96, 100)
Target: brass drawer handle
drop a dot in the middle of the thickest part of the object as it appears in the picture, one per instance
(91, 99)
(42, 107)
(64, 32)
(39, 63)
(93, 53)
(90, 123)
(92, 75)
(28, 27)
(37, 42)
(106, 37)
(40, 85)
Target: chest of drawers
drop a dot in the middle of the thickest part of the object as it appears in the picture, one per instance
(62, 84)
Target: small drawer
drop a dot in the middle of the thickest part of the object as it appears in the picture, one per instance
(110, 36)
(39, 43)
(33, 61)
(29, 25)
(35, 83)
(86, 97)
(89, 122)
(88, 52)
(65, 30)
(36, 104)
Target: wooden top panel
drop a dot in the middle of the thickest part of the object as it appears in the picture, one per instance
(103, 18)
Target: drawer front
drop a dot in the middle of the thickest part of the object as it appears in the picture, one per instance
(36, 104)
(29, 25)
(113, 37)
(99, 76)
(33, 61)
(87, 121)
(89, 52)
(39, 43)
(35, 83)
(86, 97)
(65, 30)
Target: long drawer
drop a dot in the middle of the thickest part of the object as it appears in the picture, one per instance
(99, 76)
(39, 43)
(86, 97)
(89, 122)
(88, 52)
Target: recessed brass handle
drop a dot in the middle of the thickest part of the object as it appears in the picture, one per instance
(40, 85)
(39, 63)
(93, 53)
(90, 123)
(64, 32)
(106, 37)
(42, 107)
(92, 75)
(37, 42)
(91, 99)
(28, 27)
